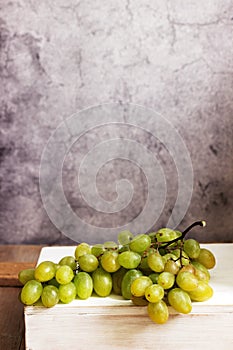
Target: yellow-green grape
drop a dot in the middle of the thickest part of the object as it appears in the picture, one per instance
(190, 268)
(117, 280)
(154, 293)
(56, 267)
(68, 260)
(82, 249)
(140, 243)
(158, 312)
(192, 248)
(154, 277)
(139, 286)
(167, 235)
(124, 237)
(84, 285)
(88, 262)
(183, 257)
(129, 259)
(26, 275)
(54, 282)
(166, 280)
(111, 245)
(156, 262)
(67, 292)
(143, 266)
(180, 300)
(187, 281)
(97, 249)
(203, 292)
(45, 271)
(31, 292)
(169, 256)
(152, 236)
(127, 280)
(171, 266)
(109, 261)
(64, 274)
(200, 271)
(102, 282)
(206, 258)
(50, 296)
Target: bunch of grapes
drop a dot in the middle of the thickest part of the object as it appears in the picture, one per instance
(154, 270)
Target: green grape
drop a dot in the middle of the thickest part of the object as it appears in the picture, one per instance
(154, 293)
(192, 248)
(206, 258)
(203, 292)
(31, 292)
(97, 249)
(154, 277)
(45, 271)
(56, 267)
(26, 275)
(124, 237)
(129, 259)
(140, 243)
(169, 256)
(109, 261)
(180, 300)
(139, 285)
(67, 292)
(143, 266)
(124, 248)
(70, 261)
(139, 301)
(84, 285)
(110, 245)
(127, 280)
(88, 262)
(200, 271)
(166, 280)
(64, 274)
(190, 268)
(186, 281)
(102, 282)
(117, 280)
(156, 262)
(172, 267)
(152, 236)
(182, 256)
(158, 312)
(54, 282)
(50, 296)
(167, 235)
(82, 249)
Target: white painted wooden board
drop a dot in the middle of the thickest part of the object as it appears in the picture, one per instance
(103, 323)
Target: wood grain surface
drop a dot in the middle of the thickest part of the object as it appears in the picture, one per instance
(13, 259)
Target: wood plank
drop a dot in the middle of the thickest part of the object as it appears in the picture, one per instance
(19, 253)
(9, 273)
(13, 259)
(11, 319)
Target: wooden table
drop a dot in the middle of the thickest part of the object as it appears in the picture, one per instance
(13, 258)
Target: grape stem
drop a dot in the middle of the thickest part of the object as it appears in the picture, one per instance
(196, 223)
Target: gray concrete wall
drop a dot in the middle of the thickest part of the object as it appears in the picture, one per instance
(59, 57)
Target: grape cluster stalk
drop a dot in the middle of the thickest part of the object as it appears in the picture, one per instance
(155, 270)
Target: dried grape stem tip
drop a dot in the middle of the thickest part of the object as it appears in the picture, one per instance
(196, 223)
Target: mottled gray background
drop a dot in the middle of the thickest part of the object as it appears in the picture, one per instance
(58, 57)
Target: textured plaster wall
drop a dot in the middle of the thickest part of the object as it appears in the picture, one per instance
(58, 57)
